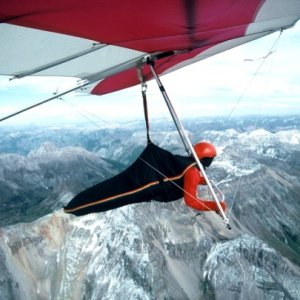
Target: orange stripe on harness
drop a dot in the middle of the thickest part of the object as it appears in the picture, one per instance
(70, 210)
(112, 197)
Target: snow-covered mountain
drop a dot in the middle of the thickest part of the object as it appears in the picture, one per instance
(150, 250)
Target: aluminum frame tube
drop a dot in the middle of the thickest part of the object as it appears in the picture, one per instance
(187, 143)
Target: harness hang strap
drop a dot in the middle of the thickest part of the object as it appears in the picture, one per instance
(144, 89)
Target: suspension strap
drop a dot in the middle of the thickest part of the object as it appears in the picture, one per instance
(144, 95)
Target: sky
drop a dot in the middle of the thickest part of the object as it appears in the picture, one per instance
(255, 78)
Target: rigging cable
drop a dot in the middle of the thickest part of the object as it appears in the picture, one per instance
(264, 58)
(56, 96)
(84, 113)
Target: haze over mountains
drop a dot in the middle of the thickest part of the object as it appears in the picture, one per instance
(150, 250)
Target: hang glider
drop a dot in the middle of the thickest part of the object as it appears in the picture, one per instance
(102, 42)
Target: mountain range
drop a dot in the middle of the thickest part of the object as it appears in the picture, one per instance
(150, 250)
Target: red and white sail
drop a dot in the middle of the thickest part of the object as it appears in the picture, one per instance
(103, 41)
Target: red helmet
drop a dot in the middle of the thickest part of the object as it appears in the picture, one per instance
(204, 149)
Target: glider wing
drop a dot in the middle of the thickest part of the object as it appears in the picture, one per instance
(104, 41)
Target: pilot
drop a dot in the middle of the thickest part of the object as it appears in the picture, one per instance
(157, 175)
